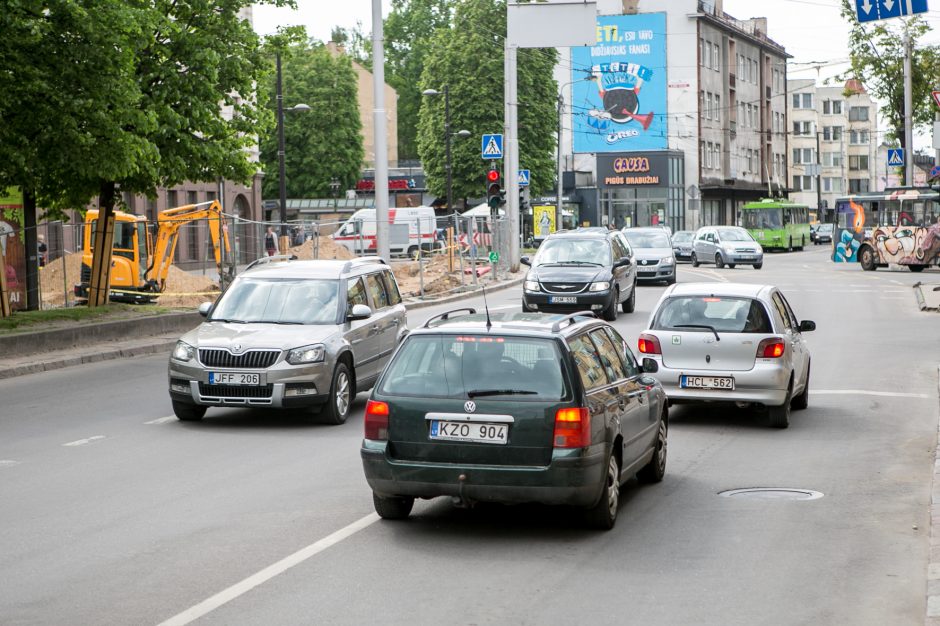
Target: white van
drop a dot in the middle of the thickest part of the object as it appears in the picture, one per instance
(409, 228)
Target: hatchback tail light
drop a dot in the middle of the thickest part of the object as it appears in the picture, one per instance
(772, 348)
(572, 428)
(376, 421)
(649, 344)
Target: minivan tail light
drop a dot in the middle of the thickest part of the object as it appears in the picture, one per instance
(572, 428)
(772, 348)
(649, 344)
(376, 421)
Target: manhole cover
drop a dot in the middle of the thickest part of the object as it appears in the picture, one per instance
(772, 493)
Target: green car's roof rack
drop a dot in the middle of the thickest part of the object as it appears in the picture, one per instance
(446, 316)
(571, 319)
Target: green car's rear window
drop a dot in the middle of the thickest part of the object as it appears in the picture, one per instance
(453, 366)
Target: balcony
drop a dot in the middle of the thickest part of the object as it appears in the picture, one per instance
(731, 81)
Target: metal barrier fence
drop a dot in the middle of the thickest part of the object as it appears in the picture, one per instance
(466, 242)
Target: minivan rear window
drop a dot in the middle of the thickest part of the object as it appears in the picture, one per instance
(463, 366)
(723, 314)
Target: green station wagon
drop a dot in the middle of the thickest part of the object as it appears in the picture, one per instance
(512, 408)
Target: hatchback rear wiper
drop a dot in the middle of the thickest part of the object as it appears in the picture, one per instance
(705, 326)
(475, 393)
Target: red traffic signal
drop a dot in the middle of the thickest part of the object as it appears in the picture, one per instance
(492, 176)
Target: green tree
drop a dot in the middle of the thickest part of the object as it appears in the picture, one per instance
(325, 142)
(476, 88)
(876, 52)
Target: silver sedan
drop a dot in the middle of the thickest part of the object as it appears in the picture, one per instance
(732, 343)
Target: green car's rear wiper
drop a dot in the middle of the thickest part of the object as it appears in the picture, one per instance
(476, 393)
(705, 326)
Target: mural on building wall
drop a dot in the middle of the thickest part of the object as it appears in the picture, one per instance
(622, 107)
(11, 246)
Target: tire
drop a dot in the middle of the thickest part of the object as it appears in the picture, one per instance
(654, 471)
(757, 266)
(731, 265)
(671, 280)
(413, 253)
(610, 313)
(800, 402)
(342, 393)
(396, 507)
(916, 268)
(866, 256)
(603, 515)
(780, 415)
(186, 412)
(719, 262)
(629, 305)
(694, 260)
(790, 246)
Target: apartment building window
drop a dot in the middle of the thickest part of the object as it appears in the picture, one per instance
(858, 185)
(858, 137)
(706, 156)
(752, 161)
(803, 183)
(717, 106)
(709, 103)
(717, 57)
(803, 128)
(858, 162)
(832, 107)
(742, 115)
(754, 72)
(172, 199)
(832, 133)
(803, 156)
(194, 229)
(832, 185)
(858, 114)
(802, 101)
(832, 159)
(716, 156)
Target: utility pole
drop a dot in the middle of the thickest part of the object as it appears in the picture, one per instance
(561, 167)
(381, 131)
(283, 243)
(819, 206)
(908, 108)
(511, 153)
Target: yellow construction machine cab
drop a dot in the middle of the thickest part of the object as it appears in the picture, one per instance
(129, 261)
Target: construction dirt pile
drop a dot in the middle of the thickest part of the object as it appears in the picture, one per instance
(326, 248)
(436, 277)
(58, 276)
(187, 290)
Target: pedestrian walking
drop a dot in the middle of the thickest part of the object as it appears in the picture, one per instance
(42, 249)
(270, 242)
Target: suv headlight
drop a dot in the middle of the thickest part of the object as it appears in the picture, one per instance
(532, 285)
(666, 260)
(603, 286)
(183, 351)
(306, 354)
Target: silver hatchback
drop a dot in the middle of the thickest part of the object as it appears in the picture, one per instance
(733, 343)
(297, 334)
(726, 245)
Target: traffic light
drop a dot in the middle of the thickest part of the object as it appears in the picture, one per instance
(494, 189)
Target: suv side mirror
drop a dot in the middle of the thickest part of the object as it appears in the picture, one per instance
(359, 312)
(650, 366)
(204, 309)
(622, 262)
(526, 261)
(807, 326)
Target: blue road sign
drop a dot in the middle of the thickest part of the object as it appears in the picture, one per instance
(896, 157)
(871, 10)
(523, 178)
(492, 146)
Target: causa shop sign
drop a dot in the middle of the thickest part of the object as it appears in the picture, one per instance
(623, 106)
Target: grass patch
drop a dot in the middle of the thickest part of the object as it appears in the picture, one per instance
(56, 318)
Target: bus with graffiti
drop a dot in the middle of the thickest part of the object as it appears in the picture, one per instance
(899, 226)
(779, 224)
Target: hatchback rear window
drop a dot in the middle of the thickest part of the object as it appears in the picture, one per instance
(452, 366)
(702, 313)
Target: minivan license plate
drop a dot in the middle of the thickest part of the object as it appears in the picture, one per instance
(563, 300)
(707, 382)
(477, 432)
(234, 378)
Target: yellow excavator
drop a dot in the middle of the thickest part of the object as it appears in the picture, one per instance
(139, 265)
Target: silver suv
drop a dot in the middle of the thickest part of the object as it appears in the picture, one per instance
(291, 334)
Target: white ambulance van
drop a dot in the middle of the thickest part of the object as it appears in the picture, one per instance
(409, 229)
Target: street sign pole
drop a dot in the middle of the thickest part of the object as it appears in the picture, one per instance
(908, 109)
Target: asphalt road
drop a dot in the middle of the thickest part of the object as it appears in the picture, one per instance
(115, 513)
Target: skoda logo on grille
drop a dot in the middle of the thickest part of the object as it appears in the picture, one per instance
(469, 406)
(236, 348)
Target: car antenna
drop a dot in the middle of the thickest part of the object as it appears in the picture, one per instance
(486, 307)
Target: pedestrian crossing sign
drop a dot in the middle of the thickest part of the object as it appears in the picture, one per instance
(492, 146)
(523, 178)
(896, 157)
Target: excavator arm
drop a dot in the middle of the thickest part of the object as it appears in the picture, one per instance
(169, 223)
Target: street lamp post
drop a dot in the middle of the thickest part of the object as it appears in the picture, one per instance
(463, 134)
(282, 179)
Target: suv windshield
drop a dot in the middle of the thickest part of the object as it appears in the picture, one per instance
(647, 238)
(734, 234)
(466, 366)
(279, 301)
(565, 250)
(682, 237)
(704, 313)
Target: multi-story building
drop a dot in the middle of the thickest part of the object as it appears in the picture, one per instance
(833, 142)
(704, 130)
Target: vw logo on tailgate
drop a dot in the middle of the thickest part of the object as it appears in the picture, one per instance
(469, 406)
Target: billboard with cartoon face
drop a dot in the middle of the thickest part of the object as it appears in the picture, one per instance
(622, 107)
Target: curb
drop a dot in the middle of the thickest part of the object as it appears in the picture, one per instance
(421, 304)
(932, 617)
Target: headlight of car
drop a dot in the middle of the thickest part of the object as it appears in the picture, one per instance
(183, 351)
(306, 354)
(603, 286)
(532, 285)
(760, 250)
(666, 260)
(727, 247)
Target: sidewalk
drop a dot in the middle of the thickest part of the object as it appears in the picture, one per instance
(31, 353)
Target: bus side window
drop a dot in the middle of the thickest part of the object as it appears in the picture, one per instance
(786, 216)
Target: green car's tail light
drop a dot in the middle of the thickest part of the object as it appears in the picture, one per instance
(572, 428)
(376, 421)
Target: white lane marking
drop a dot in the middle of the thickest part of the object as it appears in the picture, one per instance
(504, 307)
(862, 392)
(82, 442)
(707, 273)
(243, 587)
(8, 463)
(162, 420)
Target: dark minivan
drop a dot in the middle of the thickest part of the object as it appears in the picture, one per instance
(512, 408)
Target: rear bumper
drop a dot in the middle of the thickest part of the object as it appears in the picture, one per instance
(572, 478)
(766, 385)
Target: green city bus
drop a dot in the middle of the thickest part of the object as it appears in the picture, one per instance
(777, 224)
